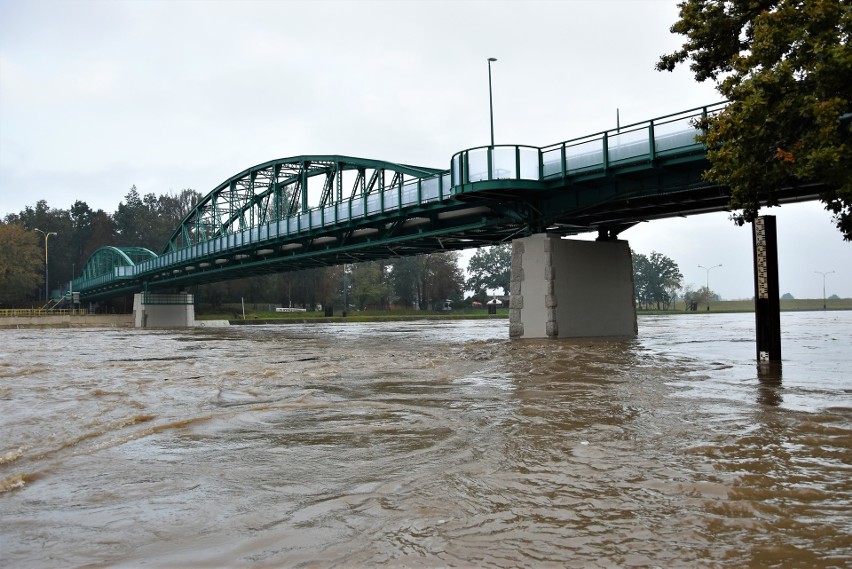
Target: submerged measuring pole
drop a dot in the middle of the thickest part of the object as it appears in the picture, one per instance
(767, 303)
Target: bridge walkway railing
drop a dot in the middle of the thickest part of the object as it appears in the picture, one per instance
(644, 142)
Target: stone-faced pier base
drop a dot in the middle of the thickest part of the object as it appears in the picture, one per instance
(564, 288)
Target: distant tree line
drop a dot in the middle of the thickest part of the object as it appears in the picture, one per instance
(142, 221)
(422, 281)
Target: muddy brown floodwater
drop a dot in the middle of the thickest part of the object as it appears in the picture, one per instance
(427, 444)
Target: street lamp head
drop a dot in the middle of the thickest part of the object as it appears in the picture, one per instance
(492, 59)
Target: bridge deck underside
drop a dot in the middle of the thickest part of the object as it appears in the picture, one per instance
(376, 238)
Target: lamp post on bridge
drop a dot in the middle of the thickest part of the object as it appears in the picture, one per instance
(707, 282)
(491, 100)
(824, 274)
(47, 235)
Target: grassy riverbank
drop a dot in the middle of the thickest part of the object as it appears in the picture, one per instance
(259, 316)
(256, 316)
(795, 305)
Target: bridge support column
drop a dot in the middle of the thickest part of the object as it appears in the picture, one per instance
(564, 288)
(163, 310)
(767, 301)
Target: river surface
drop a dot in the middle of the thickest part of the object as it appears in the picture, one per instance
(427, 444)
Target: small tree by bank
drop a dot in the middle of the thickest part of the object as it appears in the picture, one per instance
(490, 268)
(656, 279)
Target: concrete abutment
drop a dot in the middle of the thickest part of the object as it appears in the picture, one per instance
(564, 288)
(163, 310)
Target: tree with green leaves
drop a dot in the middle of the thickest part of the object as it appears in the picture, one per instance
(61, 247)
(785, 66)
(444, 279)
(490, 268)
(21, 265)
(703, 296)
(406, 278)
(426, 280)
(369, 284)
(656, 279)
(148, 221)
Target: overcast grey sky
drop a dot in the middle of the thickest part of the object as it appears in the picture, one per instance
(98, 96)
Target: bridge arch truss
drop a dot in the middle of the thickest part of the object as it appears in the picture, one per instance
(284, 188)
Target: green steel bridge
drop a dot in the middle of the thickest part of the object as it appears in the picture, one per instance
(309, 211)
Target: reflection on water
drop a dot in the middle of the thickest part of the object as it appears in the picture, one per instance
(769, 378)
(427, 444)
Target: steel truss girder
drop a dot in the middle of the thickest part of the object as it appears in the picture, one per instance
(275, 190)
(105, 260)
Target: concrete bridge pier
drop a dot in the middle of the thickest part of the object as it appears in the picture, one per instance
(564, 288)
(163, 310)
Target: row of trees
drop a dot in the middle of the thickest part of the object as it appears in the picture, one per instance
(427, 280)
(143, 221)
(422, 281)
(148, 220)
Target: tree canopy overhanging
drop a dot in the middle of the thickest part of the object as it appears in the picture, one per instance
(786, 68)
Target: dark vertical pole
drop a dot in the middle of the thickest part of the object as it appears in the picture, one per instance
(491, 100)
(767, 304)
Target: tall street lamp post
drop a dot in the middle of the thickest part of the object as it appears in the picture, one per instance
(491, 100)
(823, 285)
(47, 235)
(707, 282)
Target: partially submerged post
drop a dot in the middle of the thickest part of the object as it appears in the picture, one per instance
(767, 303)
